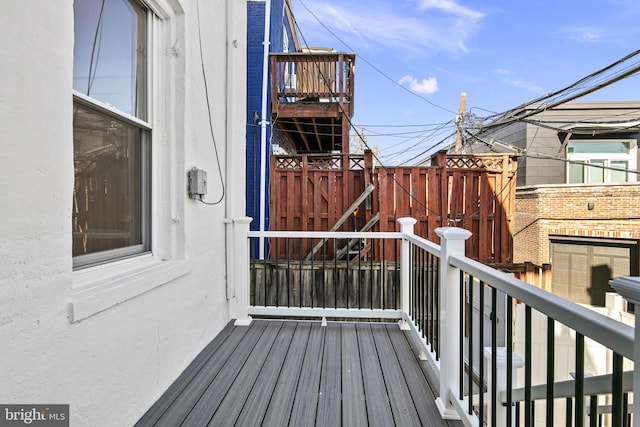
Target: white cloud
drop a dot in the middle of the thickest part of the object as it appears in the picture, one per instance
(583, 34)
(426, 86)
(509, 79)
(415, 26)
(453, 8)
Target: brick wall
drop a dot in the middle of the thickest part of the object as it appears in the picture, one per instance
(565, 210)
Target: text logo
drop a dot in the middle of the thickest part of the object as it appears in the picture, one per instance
(34, 415)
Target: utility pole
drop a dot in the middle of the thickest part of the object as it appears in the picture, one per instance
(460, 123)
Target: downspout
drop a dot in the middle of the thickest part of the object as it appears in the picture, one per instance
(264, 123)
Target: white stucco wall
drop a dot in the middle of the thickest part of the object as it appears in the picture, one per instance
(109, 340)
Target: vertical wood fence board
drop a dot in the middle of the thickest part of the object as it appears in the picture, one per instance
(493, 214)
(433, 200)
(482, 252)
(472, 204)
(304, 195)
(332, 207)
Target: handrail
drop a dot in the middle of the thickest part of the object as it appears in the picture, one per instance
(425, 244)
(606, 331)
(328, 234)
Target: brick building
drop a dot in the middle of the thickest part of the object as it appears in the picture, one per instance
(588, 233)
(578, 197)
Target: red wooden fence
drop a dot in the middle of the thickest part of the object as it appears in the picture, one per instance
(475, 192)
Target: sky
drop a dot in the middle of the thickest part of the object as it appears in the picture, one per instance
(416, 57)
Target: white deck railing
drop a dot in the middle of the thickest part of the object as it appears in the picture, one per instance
(500, 383)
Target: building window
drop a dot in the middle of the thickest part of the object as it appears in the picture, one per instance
(111, 135)
(599, 162)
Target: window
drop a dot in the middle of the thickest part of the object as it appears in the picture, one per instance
(599, 162)
(111, 135)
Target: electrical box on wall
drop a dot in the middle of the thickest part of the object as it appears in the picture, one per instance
(197, 185)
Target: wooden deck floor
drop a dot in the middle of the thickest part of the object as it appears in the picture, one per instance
(279, 373)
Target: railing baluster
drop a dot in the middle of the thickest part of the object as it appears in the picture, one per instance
(264, 277)
(288, 272)
(276, 272)
(494, 352)
(415, 293)
(301, 282)
(481, 366)
(569, 412)
(616, 389)
(550, 369)
(625, 411)
(626, 422)
(335, 273)
(593, 412)
(413, 284)
(383, 274)
(533, 412)
(426, 332)
(436, 315)
(324, 275)
(417, 302)
(371, 274)
(509, 344)
(313, 279)
(347, 281)
(359, 282)
(528, 413)
(579, 385)
(461, 376)
(396, 288)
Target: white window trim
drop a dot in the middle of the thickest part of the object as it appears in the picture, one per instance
(106, 108)
(97, 288)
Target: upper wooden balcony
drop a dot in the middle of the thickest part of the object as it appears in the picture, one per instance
(311, 96)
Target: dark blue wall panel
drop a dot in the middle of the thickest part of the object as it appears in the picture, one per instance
(255, 38)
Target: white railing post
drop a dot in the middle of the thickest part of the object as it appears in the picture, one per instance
(241, 264)
(406, 228)
(452, 240)
(501, 376)
(629, 288)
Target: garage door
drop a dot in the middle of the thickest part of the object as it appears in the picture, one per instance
(581, 269)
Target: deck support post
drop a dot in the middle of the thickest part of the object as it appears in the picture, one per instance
(629, 288)
(406, 228)
(241, 266)
(452, 243)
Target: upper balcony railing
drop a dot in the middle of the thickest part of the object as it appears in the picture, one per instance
(507, 353)
(313, 77)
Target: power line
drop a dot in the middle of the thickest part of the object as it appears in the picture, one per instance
(571, 92)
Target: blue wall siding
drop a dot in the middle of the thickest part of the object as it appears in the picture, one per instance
(255, 38)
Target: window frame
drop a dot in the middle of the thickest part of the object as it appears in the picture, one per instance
(146, 226)
(585, 159)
